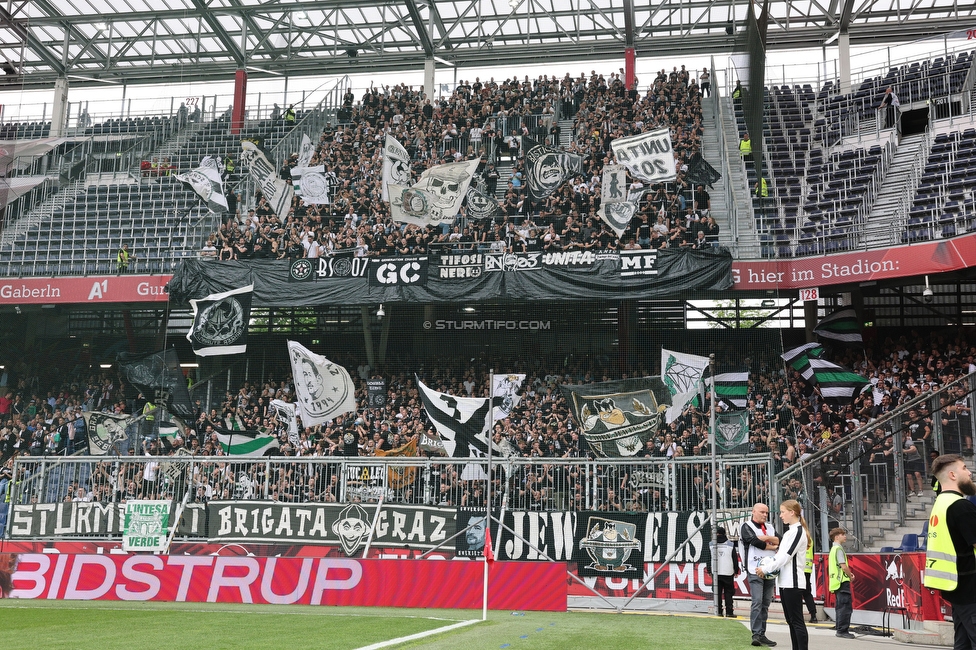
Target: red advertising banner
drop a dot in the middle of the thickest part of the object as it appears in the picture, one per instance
(888, 581)
(90, 290)
(861, 266)
(538, 586)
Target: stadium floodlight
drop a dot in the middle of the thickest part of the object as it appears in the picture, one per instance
(443, 61)
(832, 38)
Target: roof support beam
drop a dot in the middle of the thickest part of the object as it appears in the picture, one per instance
(418, 23)
(27, 37)
(220, 33)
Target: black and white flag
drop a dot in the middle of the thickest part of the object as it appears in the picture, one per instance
(461, 422)
(396, 165)
(305, 152)
(700, 172)
(649, 156)
(436, 197)
(278, 192)
(220, 322)
(104, 431)
(324, 389)
(482, 206)
(206, 182)
(546, 168)
(311, 184)
(287, 414)
(616, 418)
(376, 393)
(616, 209)
(504, 393)
(159, 378)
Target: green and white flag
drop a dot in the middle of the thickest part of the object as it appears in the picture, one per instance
(838, 385)
(842, 326)
(799, 359)
(682, 374)
(732, 433)
(732, 388)
(146, 526)
(247, 443)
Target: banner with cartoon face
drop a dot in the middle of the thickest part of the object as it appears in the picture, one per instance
(396, 165)
(615, 423)
(347, 526)
(324, 389)
(547, 168)
(436, 197)
(610, 544)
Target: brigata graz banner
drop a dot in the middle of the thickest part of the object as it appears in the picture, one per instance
(568, 275)
(538, 586)
(344, 525)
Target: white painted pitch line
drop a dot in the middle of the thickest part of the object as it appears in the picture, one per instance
(419, 635)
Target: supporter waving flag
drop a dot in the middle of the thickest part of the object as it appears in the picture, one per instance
(616, 209)
(287, 413)
(220, 322)
(246, 443)
(649, 156)
(462, 422)
(206, 182)
(311, 184)
(682, 375)
(278, 192)
(159, 378)
(324, 389)
(841, 326)
(436, 197)
(305, 152)
(547, 168)
(396, 165)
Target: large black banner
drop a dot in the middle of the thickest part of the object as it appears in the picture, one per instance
(70, 520)
(573, 275)
(347, 526)
(560, 535)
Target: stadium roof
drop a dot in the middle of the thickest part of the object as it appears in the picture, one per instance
(143, 41)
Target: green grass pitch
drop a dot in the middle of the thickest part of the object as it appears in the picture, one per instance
(110, 625)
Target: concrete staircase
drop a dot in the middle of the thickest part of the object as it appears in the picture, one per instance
(746, 244)
(883, 227)
(882, 529)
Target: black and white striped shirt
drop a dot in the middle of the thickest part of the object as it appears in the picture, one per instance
(790, 559)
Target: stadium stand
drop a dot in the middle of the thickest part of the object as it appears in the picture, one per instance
(787, 421)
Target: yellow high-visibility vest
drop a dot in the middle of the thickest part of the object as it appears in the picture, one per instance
(836, 574)
(940, 554)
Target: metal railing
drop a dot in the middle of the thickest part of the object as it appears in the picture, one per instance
(860, 480)
(652, 484)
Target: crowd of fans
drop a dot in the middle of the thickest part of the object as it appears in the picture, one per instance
(487, 120)
(786, 419)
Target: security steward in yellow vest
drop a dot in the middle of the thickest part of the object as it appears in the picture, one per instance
(950, 561)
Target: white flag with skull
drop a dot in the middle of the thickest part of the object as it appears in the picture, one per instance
(436, 197)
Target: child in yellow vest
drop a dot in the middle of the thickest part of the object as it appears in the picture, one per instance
(840, 577)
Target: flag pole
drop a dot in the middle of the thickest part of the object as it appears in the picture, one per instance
(711, 426)
(491, 433)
